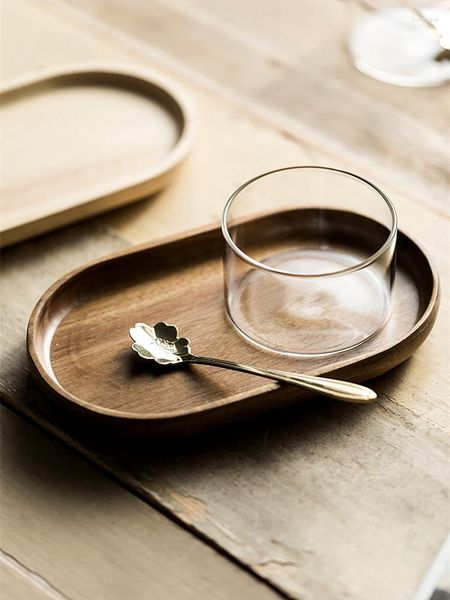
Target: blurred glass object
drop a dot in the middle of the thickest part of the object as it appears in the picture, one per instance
(405, 44)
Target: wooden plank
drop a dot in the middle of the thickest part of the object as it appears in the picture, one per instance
(277, 61)
(196, 199)
(319, 500)
(436, 584)
(16, 583)
(244, 147)
(70, 532)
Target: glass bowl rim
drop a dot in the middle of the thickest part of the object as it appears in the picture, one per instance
(255, 263)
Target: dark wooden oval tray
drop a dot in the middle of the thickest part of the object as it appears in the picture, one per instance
(80, 348)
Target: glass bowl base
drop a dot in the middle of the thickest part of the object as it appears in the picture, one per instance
(309, 316)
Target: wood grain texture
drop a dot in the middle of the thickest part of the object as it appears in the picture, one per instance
(16, 583)
(80, 140)
(70, 532)
(79, 343)
(293, 61)
(321, 499)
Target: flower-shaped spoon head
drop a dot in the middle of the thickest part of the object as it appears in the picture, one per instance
(160, 343)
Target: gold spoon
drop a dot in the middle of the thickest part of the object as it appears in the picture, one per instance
(161, 344)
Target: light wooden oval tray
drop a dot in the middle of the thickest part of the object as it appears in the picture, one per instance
(83, 140)
(80, 348)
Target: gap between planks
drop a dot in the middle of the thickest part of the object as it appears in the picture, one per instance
(171, 515)
(282, 124)
(136, 489)
(34, 579)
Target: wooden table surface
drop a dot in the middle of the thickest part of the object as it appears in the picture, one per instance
(325, 500)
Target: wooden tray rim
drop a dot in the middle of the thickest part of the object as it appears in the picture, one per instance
(107, 70)
(56, 389)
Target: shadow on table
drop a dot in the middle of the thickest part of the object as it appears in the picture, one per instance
(317, 424)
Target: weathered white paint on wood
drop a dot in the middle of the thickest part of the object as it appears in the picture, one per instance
(319, 500)
(70, 532)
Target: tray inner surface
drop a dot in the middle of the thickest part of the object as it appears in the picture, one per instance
(78, 136)
(87, 347)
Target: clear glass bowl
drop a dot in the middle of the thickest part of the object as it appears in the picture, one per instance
(309, 260)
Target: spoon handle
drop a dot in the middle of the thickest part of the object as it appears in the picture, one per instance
(342, 390)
